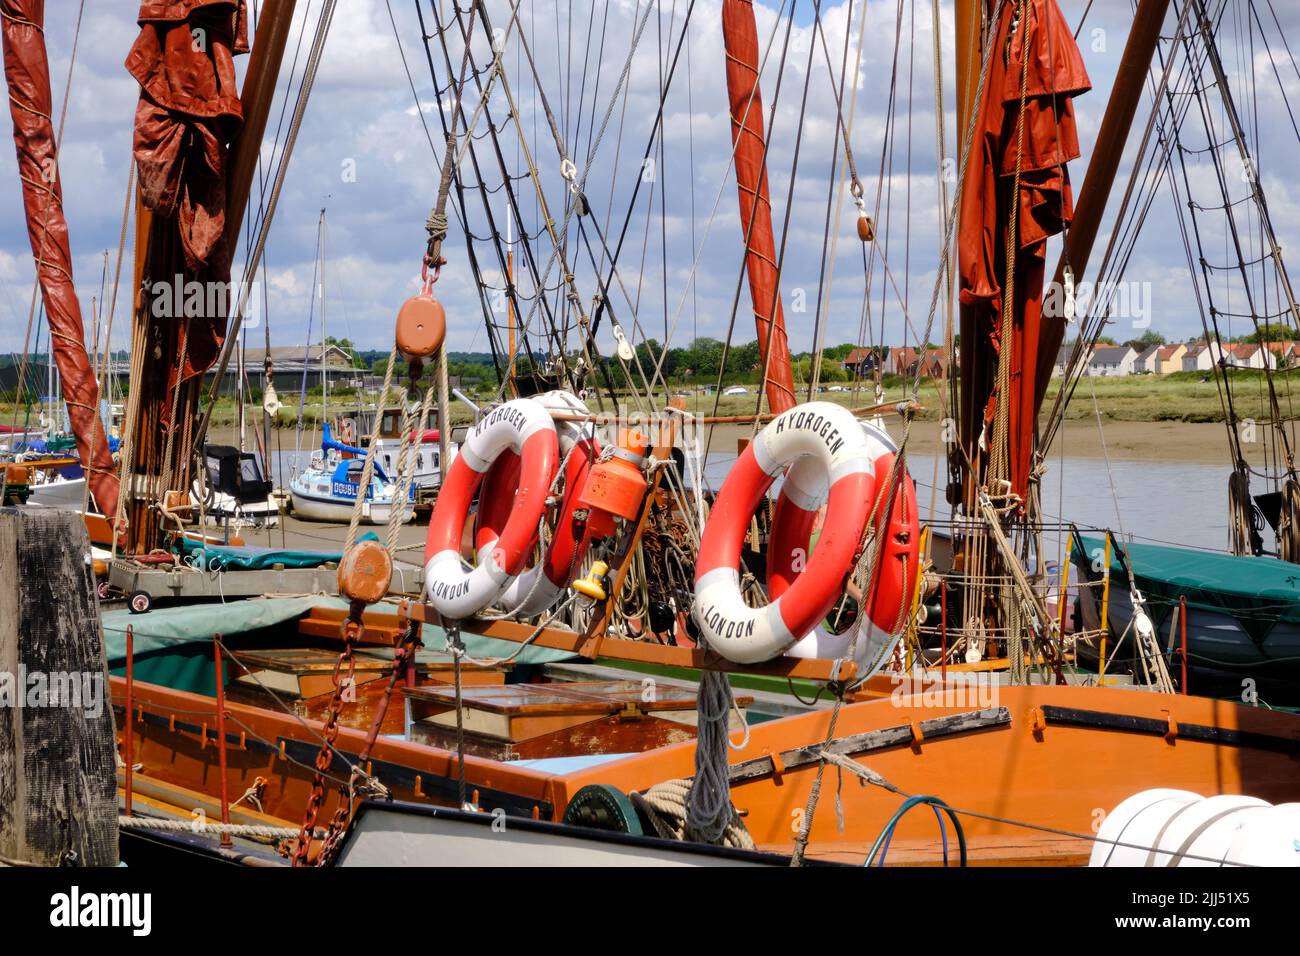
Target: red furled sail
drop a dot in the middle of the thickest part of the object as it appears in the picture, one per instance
(188, 113)
(27, 75)
(740, 34)
(1037, 150)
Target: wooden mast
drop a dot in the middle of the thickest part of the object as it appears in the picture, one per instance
(257, 95)
(159, 466)
(969, 48)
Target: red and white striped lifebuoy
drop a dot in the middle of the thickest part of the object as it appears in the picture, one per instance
(831, 435)
(524, 428)
(893, 575)
(538, 587)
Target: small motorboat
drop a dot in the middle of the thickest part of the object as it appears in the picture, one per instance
(236, 491)
(328, 488)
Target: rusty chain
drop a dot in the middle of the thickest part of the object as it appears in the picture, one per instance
(351, 631)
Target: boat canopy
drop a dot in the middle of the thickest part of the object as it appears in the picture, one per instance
(173, 645)
(329, 443)
(343, 471)
(1256, 592)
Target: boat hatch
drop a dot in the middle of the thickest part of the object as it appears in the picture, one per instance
(534, 721)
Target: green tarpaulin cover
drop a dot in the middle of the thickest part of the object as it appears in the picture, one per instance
(173, 645)
(1257, 592)
(215, 557)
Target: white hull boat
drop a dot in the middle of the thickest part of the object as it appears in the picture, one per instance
(328, 489)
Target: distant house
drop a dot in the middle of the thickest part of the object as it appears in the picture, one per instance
(910, 362)
(1248, 355)
(1063, 359)
(1146, 360)
(1199, 357)
(293, 367)
(1285, 354)
(935, 363)
(904, 361)
(334, 356)
(1111, 360)
(1169, 358)
(862, 362)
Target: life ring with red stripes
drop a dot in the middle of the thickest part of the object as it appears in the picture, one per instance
(831, 435)
(523, 427)
(893, 579)
(538, 587)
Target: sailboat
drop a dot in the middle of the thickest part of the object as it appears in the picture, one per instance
(329, 487)
(425, 449)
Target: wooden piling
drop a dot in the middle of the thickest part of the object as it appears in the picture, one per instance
(58, 775)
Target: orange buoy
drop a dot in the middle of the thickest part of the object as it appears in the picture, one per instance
(616, 487)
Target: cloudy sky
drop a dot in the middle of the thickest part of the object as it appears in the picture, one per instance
(365, 155)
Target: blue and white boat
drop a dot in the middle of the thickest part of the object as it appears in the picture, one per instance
(327, 489)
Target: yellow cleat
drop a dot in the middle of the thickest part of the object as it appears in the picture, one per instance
(593, 585)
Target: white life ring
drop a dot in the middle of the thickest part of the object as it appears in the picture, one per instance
(894, 576)
(831, 435)
(538, 587)
(523, 427)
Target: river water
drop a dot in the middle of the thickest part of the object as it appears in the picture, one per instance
(1158, 502)
(1155, 502)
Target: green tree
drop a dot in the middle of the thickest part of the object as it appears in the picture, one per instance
(1147, 339)
(1268, 332)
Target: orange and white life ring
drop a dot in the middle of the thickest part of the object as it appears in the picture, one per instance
(523, 427)
(830, 435)
(893, 575)
(538, 587)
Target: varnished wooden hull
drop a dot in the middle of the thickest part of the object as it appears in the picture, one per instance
(1054, 757)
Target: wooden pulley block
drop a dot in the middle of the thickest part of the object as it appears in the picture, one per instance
(866, 228)
(421, 326)
(365, 572)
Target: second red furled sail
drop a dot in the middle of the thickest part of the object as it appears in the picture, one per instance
(740, 34)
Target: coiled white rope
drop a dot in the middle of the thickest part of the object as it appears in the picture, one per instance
(665, 805)
(256, 831)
